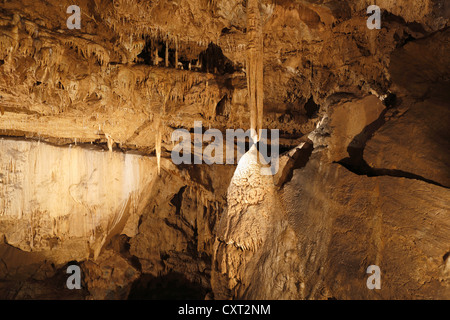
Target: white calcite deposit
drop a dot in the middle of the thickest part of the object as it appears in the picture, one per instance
(51, 196)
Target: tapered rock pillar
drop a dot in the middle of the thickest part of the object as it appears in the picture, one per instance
(176, 53)
(167, 53)
(255, 68)
(155, 52)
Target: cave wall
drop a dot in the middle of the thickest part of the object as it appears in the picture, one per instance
(363, 118)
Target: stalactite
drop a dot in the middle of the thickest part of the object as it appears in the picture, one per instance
(159, 126)
(158, 145)
(110, 142)
(255, 67)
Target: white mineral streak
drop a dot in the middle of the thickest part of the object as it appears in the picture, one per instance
(51, 196)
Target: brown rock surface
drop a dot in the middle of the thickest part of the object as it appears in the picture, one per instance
(322, 248)
(86, 177)
(417, 141)
(349, 222)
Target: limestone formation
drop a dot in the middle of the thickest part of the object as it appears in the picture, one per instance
(86, 176)
(255, 67)
(250, 202)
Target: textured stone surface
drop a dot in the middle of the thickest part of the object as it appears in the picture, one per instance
(96, 84)
(349, 222)
(418, 141)
(87, 115)
(67, 202)
(322, 248)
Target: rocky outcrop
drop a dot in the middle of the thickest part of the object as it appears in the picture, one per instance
(176, 232)
(336, 218)
(421, 129)
(86, 118)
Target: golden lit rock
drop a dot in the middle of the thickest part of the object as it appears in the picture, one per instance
(86, 175)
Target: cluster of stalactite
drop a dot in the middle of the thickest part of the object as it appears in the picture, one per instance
(165, 50)
(128, 81)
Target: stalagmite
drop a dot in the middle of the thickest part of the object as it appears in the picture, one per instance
(167, 53)
(155, 57)
(255, 68)
(176, 52)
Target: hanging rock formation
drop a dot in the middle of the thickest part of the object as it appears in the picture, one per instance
(255, 67)
(86, 177)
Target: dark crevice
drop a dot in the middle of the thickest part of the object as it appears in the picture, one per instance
(391, 101)
(173, 286)
(446, 256)
(297, 160)
(363, 169)
(177, 200)
(311, 108)
(402, 41)
(221, 108)
(146, 55)
(214, 61)
(135, 263)
(193, 245)
(303, 156)
(300, 159)
(121, 245)
(413, 26)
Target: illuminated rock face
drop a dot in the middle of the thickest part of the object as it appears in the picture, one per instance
(250, 199)
(363, 119)
(57, 198)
